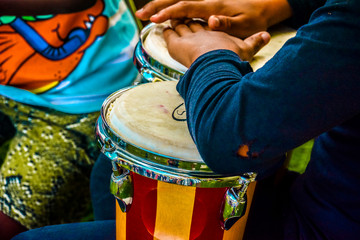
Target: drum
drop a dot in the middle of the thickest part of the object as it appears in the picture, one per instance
(152, 58)
(154, 62)
(163, 188)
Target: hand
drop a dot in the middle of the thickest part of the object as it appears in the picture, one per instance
(194, 39)
(238, 18)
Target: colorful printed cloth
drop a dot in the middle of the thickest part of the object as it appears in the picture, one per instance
(68, 62)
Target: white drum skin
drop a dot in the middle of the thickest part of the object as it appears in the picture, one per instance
(155, 45)
(153, 61)
(152, 116)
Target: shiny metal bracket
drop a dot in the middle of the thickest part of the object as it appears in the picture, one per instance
(121, 186)
(235, 201)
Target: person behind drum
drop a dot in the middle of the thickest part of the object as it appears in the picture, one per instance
(244, 121)
(59, 60)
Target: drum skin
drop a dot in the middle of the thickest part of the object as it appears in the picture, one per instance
(155, 66)
(169, 211)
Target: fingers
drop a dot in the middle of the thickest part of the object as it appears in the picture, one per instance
(152, 8)
(170, 35)
(226, 24)
(238, 26)
(185, 9)
(183, 27)
(255, 42)
(221, 23)
(172, 39)
(196, 26)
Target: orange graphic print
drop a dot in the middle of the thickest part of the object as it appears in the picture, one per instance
(36, 55)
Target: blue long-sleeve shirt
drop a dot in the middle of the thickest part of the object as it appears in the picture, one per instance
(244, 121)
(302, 9)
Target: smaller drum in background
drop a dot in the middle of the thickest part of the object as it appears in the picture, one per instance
(152, 58)
(154, 62)
(164, 190)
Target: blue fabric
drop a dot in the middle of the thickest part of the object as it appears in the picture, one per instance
(104, 230)
(302, 10)
(103, 201)
(309, 89)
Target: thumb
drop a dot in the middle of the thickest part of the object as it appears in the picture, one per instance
(257, 41)
(220, 23)
(238, 26)
(234, 26)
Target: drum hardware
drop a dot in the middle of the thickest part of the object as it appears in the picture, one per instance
(108, 145)
(235, 202)
(123, 162)
(150, 75)
(121, 187)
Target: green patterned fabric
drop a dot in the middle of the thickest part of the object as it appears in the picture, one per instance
(46, 158)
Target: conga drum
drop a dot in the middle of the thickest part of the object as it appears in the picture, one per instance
(164, 190)
(152, 58)
(154, 62)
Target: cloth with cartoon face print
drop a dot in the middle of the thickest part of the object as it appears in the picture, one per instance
(69, 62)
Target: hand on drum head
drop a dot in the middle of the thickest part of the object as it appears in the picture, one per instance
(194, 39)
(237, 18)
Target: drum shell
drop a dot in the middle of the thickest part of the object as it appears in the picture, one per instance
(154, 176)
(170, 211)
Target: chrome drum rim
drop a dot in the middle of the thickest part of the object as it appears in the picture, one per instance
(158, 166)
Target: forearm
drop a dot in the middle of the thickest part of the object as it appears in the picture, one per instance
(225, 124)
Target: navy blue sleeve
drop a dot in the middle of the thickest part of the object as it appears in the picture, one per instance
(244, 121)
(302, 10)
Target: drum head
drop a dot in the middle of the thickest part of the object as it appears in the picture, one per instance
(155, 45)
(152, 116)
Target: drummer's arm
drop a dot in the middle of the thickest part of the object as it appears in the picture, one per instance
(242, 120)
(42, 7)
